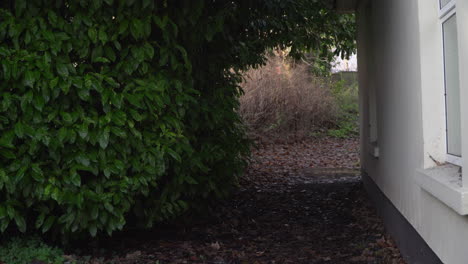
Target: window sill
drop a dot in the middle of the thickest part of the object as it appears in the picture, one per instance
(444, 182)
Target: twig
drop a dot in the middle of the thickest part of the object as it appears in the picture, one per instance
(438, 163)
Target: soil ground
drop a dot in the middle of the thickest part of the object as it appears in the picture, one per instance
(299, 202)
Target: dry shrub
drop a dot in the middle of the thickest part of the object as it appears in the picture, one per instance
(284, 98)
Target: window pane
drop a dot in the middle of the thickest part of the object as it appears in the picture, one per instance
(452, 86)
(444, 3)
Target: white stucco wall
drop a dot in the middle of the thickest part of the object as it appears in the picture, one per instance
(400, 64)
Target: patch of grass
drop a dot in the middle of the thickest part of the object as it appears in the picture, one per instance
(347, 100)
(26, 250)
(345, 130)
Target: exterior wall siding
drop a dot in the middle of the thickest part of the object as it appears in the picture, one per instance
(399, 59)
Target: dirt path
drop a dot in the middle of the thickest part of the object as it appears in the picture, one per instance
(283, 214)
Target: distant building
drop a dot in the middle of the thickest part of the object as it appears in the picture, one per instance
(340, 65)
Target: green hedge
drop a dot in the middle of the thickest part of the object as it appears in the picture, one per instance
(126, 109)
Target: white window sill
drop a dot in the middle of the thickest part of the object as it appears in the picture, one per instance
(444, 182)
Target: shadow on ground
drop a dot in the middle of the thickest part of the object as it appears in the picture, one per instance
(322, 217)
(287, 211)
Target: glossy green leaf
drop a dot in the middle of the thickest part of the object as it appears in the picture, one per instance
(104, 139)
(6, 139)
(19, 130)
(40, 220)
(93, 34)
(37, 173)
(67, 117)
(48, 223)
(93, 230)
(20, 223)
(29, 79)
(62, 70)
(103, 35)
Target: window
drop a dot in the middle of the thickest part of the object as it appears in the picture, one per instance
(444, 109)
(448, 18)
(443, 3)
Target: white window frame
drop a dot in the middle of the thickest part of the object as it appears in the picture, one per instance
(447, 8)
(445, 13)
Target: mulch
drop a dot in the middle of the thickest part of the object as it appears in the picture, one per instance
(294, 206)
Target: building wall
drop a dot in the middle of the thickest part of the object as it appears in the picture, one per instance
(401, 85)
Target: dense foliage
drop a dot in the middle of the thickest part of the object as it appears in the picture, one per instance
(21, 250)
(119, 110)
